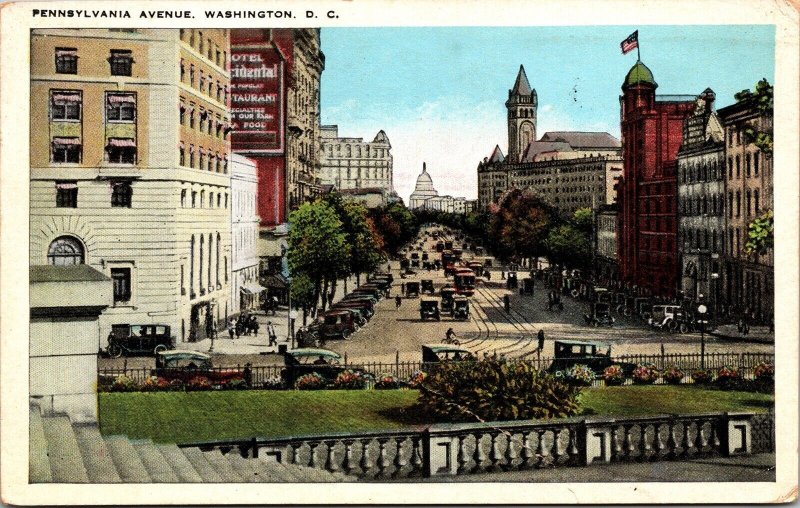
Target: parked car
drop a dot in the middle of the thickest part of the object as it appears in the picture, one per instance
(185, 365)
(359, 316)
(664, 317)
(130, 340)
(302, 361)
(433, 354)
(599, 315)
(365, 308)
(427, 286)
(460, 308)
(337, 324)
(412, 289)
(511, 280)
(595, 355)
(429, 309)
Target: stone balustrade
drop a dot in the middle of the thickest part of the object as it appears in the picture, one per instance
(458, 449)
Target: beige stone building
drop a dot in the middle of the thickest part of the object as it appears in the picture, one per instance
(748, 279)
(245, 289)
(303, 117)
(130, 169)
(352, 163)
(423, 189)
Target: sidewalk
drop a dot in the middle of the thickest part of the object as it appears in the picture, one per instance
(757, 334)
(753, 468)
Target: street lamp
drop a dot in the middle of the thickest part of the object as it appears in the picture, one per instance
(702, 309)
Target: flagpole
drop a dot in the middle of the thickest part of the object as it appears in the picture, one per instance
(638, 55)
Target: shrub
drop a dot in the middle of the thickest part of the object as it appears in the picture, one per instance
(123, 384)
(235, 384)
(644, 374)
(416, 379)
(673, 375)
(387, 382)
(350, 380)
(613, 375)
(494, 390)
(580, 375)
(702, 377)
(149, 385)
(198, 383)
(728, 379)
(764, 371)
(311, 381)
(177, 385)
(273, 383)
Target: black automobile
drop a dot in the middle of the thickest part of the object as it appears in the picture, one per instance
(447, 293)
(127, 340)
(412, 289)
(427, 286)
(429, 309)
(569, 353)
(460, 308)
(299, 362)
(599, 315)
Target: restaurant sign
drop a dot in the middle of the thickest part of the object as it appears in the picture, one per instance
(257, 100)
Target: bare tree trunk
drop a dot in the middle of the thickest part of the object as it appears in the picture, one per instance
(325, 295)
(358, 278)
(317, 284)
(305, 314)
(334, 283)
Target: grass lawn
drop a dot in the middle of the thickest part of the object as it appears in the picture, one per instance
(177, 417)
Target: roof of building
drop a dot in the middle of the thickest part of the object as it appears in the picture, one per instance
(363, 190)
(537, 147)
(583, 139)
(639, 74)
(521, 85)
(381, 137)
(497, 155)
(71, 273)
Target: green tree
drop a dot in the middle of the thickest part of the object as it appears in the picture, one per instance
(583, 218)
(318, 247)
(763, 97)
(302, 293)
(569, 246)
(760, 234)
(519, 225)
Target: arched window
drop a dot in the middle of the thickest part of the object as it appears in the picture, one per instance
(65, 250)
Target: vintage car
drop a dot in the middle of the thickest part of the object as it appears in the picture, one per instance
(511, 280)
(447, 293)
(460, 308)
(599, 315)
(405, 264)
(302, 361)
(601, 295)
(448, 245)
(527, 286)
(487, 263)
(381, 276)
(429, 309)
(457, 254)
(569, 353)
(366, 308)
(359, 315)
(433, 354)
(476, 267)
(412, 289)
(665, 317)
(427, 286)
(353, 297)
(369, 289)
(337, 324)
(186, 365)
(464, 281)
(138, 339)
(425, 256)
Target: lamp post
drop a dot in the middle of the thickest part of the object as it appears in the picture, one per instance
(701, 310)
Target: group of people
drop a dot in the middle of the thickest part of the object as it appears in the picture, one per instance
(245, 325)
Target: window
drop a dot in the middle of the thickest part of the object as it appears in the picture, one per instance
(121, 150)
(748, 201)
(121, 194)
(211, 200)
(730, 205)
(66, 150)
(200, 41)
(121, 107)
(65, 251)
(182, 154)
(738, 204)
(219, 200)
(121, 277)
(202, 82)
(181, 113)
(183, 70)
(194, 199)
(755, 164)
(738, 167)
(66, 60)
(65, 105)
(756, 199)
(747, 166)
(191, 157)
(67, 194)
(121, 61)
(183, 280)
(183, 198)
(730, 168)
(191, 116)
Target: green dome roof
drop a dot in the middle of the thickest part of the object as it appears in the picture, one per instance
(638, 74)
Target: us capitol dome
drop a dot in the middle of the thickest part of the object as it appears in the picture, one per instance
(423, 190)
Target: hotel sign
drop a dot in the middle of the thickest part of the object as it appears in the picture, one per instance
(257, 100)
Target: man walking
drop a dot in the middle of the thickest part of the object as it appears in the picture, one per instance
(232, 328)
(273, 337)
(398, 301)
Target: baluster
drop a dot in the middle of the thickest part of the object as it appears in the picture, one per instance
(702, 435)
(688, 441)
(645, 448)
(617, 444)
(574, 453)
(479, 455)
(295, 458)
(494, 452)
(541, 454)
(347, 464)
(330, 462)
(312, 458)
(672, 441)
(527, 451)
(461, 456)
(511, 453)
(399, 461)
(382, 463)
(660, 445)
(714, 437)
(416, 455)
(364, 464)
(556, 447)
(630, 446)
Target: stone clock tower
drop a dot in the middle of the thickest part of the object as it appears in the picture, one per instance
(521, 105)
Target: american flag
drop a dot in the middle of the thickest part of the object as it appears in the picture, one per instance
(631, 43)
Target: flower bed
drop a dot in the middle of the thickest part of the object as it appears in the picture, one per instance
(702, 377)
(644, 375)
(580, 375)
(416, 379)
(311, 381)
(614, 375)
(673, 376)
(387, 382)
(350, 380)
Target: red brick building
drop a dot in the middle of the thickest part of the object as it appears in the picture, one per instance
(652, 127)
(259, 66)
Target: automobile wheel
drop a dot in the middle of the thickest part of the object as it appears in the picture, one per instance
(158, 349)
(626, 312)
(671, 325)
(356, 327)
(684, 328)
(346, 334)
(114, 351)
(574, 293)
(595, 324)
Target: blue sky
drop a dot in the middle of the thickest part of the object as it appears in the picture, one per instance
(439, 92)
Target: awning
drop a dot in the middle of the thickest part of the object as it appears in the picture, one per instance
(66, 185)
(66, 141)
(66, 52)
(275, 281)
(122, 142)
(65, 98)
(117, 98)
(252, 288)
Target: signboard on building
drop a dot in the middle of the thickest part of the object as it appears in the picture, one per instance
(257, 99)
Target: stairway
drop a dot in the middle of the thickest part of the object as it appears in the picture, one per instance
(64, 452)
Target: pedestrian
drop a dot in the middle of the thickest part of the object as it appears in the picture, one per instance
(402, 288)
(398, 301)
(254, 324)
(273, 337)
(248, 374)
(238, 327)
(232, 328)
(540, 338)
